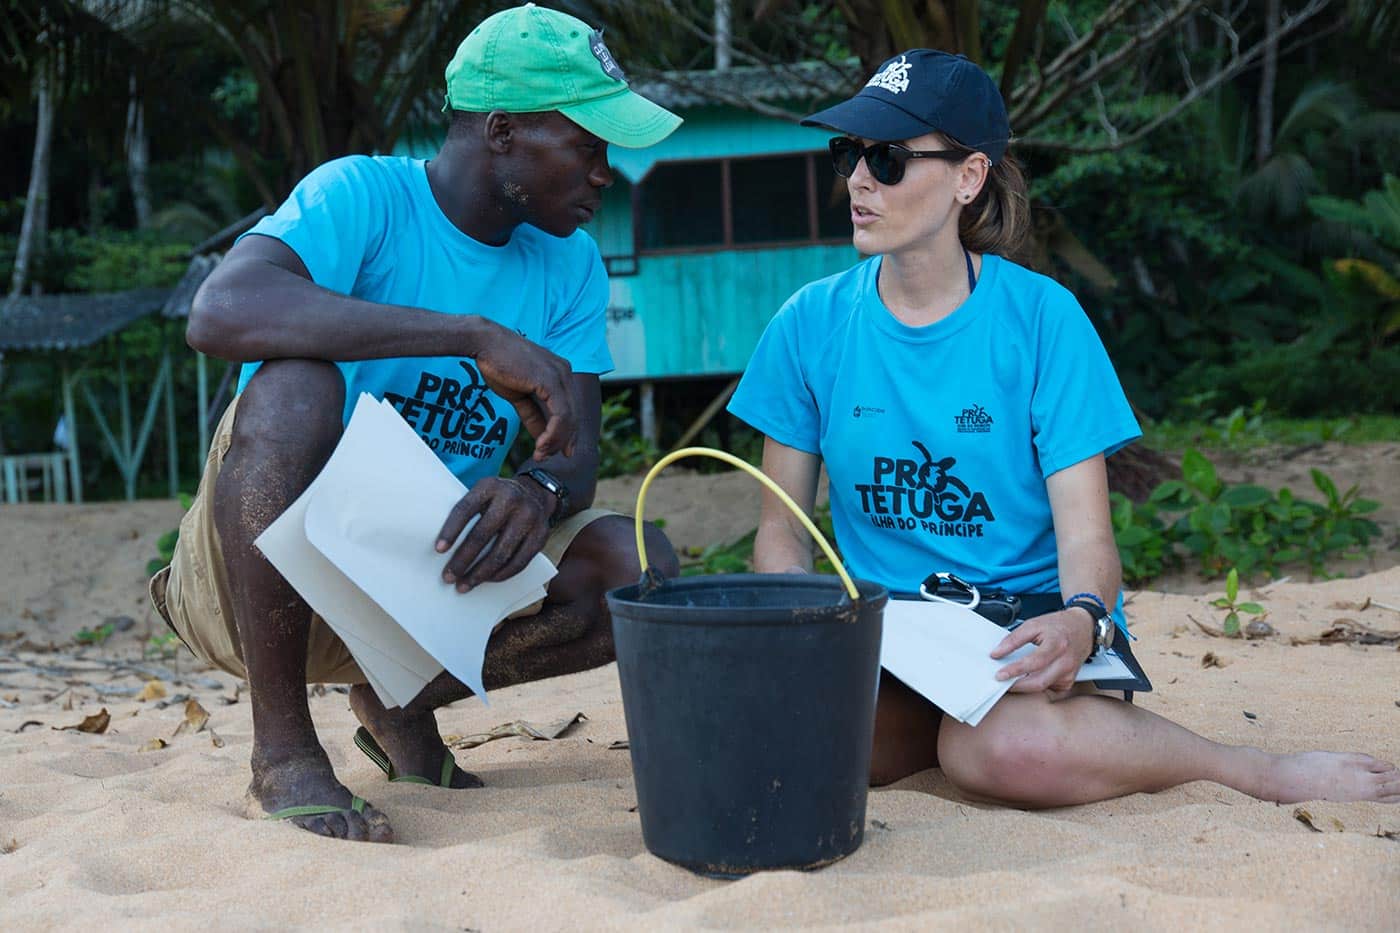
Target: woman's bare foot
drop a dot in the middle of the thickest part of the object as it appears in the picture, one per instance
(305, 778)
(410, 739)
(1340, 776)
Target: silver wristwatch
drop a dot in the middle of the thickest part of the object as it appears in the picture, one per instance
(1103, 623)
(1103, 634)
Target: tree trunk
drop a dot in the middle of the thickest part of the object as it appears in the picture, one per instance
(724, 51)
(1264, 146)
(35, 227)
(138, 155)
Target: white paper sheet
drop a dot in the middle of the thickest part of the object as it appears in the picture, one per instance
(942, 652)
(396, 667)
(358, 545)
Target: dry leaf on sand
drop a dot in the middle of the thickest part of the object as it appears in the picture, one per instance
(1212, 632)
(96, 724)
(196, 718)
(153, 690)
(1211, 659)
(1350, 632)
(1317, 825)
(155, 745)
(518, 727)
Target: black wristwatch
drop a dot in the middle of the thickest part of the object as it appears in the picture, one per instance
(555, 487)
(1103, 624)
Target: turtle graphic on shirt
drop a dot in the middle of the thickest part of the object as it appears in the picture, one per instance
(937, 471)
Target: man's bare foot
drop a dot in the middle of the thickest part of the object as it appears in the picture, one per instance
(306, 779)
(1340, 776)
(410, 739)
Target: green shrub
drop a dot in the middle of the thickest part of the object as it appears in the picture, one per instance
(113, 260)
(1246, 526)
(622, 450)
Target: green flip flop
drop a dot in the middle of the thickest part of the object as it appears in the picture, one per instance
(357, 805)
(366, 743)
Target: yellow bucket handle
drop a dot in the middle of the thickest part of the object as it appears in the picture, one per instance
(773, 487)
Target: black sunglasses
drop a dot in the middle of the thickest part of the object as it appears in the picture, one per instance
(885, 161)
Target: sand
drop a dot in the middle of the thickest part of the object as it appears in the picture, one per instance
(104, 830)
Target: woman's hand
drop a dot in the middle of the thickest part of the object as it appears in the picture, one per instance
(1063, 640)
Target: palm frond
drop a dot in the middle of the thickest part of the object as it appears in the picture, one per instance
(1279, 188)
(1320, 104)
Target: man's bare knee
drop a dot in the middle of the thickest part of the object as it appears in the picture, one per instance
(604, 556)
(291, 405)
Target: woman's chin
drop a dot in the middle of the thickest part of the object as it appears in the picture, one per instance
(868, 241)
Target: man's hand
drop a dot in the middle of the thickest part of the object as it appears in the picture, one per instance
(538, 383)
(1063, 640)
(515, 513)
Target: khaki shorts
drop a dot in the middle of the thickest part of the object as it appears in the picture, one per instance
(192, 594)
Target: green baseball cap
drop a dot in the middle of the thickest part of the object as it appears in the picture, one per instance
(529, 59)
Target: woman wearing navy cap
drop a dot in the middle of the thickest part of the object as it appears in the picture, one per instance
(963, 407)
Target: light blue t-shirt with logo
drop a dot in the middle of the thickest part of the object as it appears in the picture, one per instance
(369, 226)
(938, 440)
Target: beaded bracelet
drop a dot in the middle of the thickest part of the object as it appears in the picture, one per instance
(1091, 598)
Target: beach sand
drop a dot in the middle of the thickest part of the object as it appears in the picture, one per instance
(105, 830)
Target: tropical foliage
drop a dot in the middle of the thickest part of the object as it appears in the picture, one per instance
(1209, 176)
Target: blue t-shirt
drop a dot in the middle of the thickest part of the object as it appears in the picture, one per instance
(370, 227)
(937, 440)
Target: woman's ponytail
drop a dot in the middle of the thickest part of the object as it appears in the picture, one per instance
(999, 220)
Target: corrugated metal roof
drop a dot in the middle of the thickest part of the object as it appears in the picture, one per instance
(65, 322)
(799, 82)
(178, 304)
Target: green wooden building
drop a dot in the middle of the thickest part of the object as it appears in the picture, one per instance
(706, 234)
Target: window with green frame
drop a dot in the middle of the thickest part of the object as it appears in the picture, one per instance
(741, 203)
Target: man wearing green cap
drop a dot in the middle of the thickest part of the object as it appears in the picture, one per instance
(462, 291)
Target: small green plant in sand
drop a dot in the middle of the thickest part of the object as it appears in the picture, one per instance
(726, 557)
(94, 636)
(737, 556)
(162, 647)
(165, 544)
(1230, 603)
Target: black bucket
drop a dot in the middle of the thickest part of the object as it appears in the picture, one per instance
(750, 705)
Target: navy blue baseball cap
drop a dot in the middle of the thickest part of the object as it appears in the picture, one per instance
(924, 91)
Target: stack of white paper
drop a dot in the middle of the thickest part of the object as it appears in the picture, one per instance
(943, 652)
(358, 546)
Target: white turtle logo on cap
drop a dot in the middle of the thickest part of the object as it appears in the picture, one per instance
(894, 77)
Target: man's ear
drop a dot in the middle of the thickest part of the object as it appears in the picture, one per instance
(500, 131)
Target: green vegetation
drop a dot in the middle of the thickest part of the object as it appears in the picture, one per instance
(737, 556)
(1233, 608)
(1235, 242)
(162, 647)
(165, 544)
(94, 636)
(622, 450)
(1246, 528)
(1246, 429)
